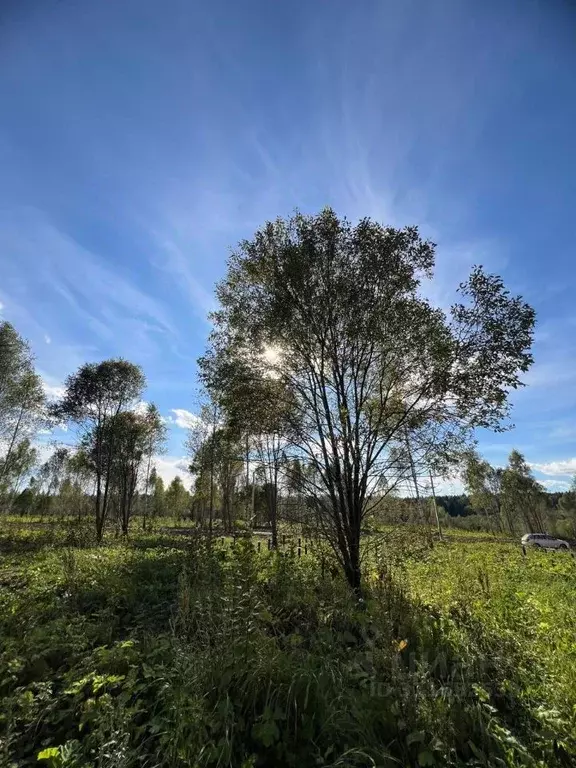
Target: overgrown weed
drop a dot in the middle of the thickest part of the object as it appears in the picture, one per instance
(220, 655)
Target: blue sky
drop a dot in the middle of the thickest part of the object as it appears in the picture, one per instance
(139, 141)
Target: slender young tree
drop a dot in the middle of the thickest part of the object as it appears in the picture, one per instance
(95, 396)
(200, 447)
(333, 315)
(177, 498)
(216, 462)
(157, 489)
(136, 436)
(82, 479)
(522, 495)
(154, 443)
(484, 488)
(129, 433)
(229, 469)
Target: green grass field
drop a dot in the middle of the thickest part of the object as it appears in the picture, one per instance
(164, 651)
(527, 604)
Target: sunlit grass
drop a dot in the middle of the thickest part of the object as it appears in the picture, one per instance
(165, 650)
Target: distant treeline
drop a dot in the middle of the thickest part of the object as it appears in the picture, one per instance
(459, 505)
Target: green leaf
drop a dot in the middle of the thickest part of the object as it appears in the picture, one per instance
(426, 758)
(477, 752)
(48, 753)
(266, 733)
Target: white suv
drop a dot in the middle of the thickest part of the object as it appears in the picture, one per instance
(544, 541)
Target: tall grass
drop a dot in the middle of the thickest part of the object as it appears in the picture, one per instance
(213, 655)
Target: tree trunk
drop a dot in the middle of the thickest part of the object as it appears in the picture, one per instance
(124, 518)
(227, 508)
(347, 543)
(274, 510)
(99, 523)
(105, 495)
(247, 476)
(352, 568)
(4, 468)
(211, 507)
(146, 515)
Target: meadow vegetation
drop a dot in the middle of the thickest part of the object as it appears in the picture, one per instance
(176, 651)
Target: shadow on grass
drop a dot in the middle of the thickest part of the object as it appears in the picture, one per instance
(211, 657)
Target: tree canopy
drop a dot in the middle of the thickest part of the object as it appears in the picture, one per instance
(328, 321)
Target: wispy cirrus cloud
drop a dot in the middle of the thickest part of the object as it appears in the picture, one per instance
(108, 304)
(172, 259)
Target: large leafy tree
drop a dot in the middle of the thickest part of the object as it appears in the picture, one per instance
(95, 397)
(15, 362)
(334, 315)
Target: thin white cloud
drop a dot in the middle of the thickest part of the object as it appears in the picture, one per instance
(53, 389)
(47, 339)
(45, 450)
(184, 419)
(168, 467)
(563, 434)
(556, 485)
(549, 374)
(562, 468)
